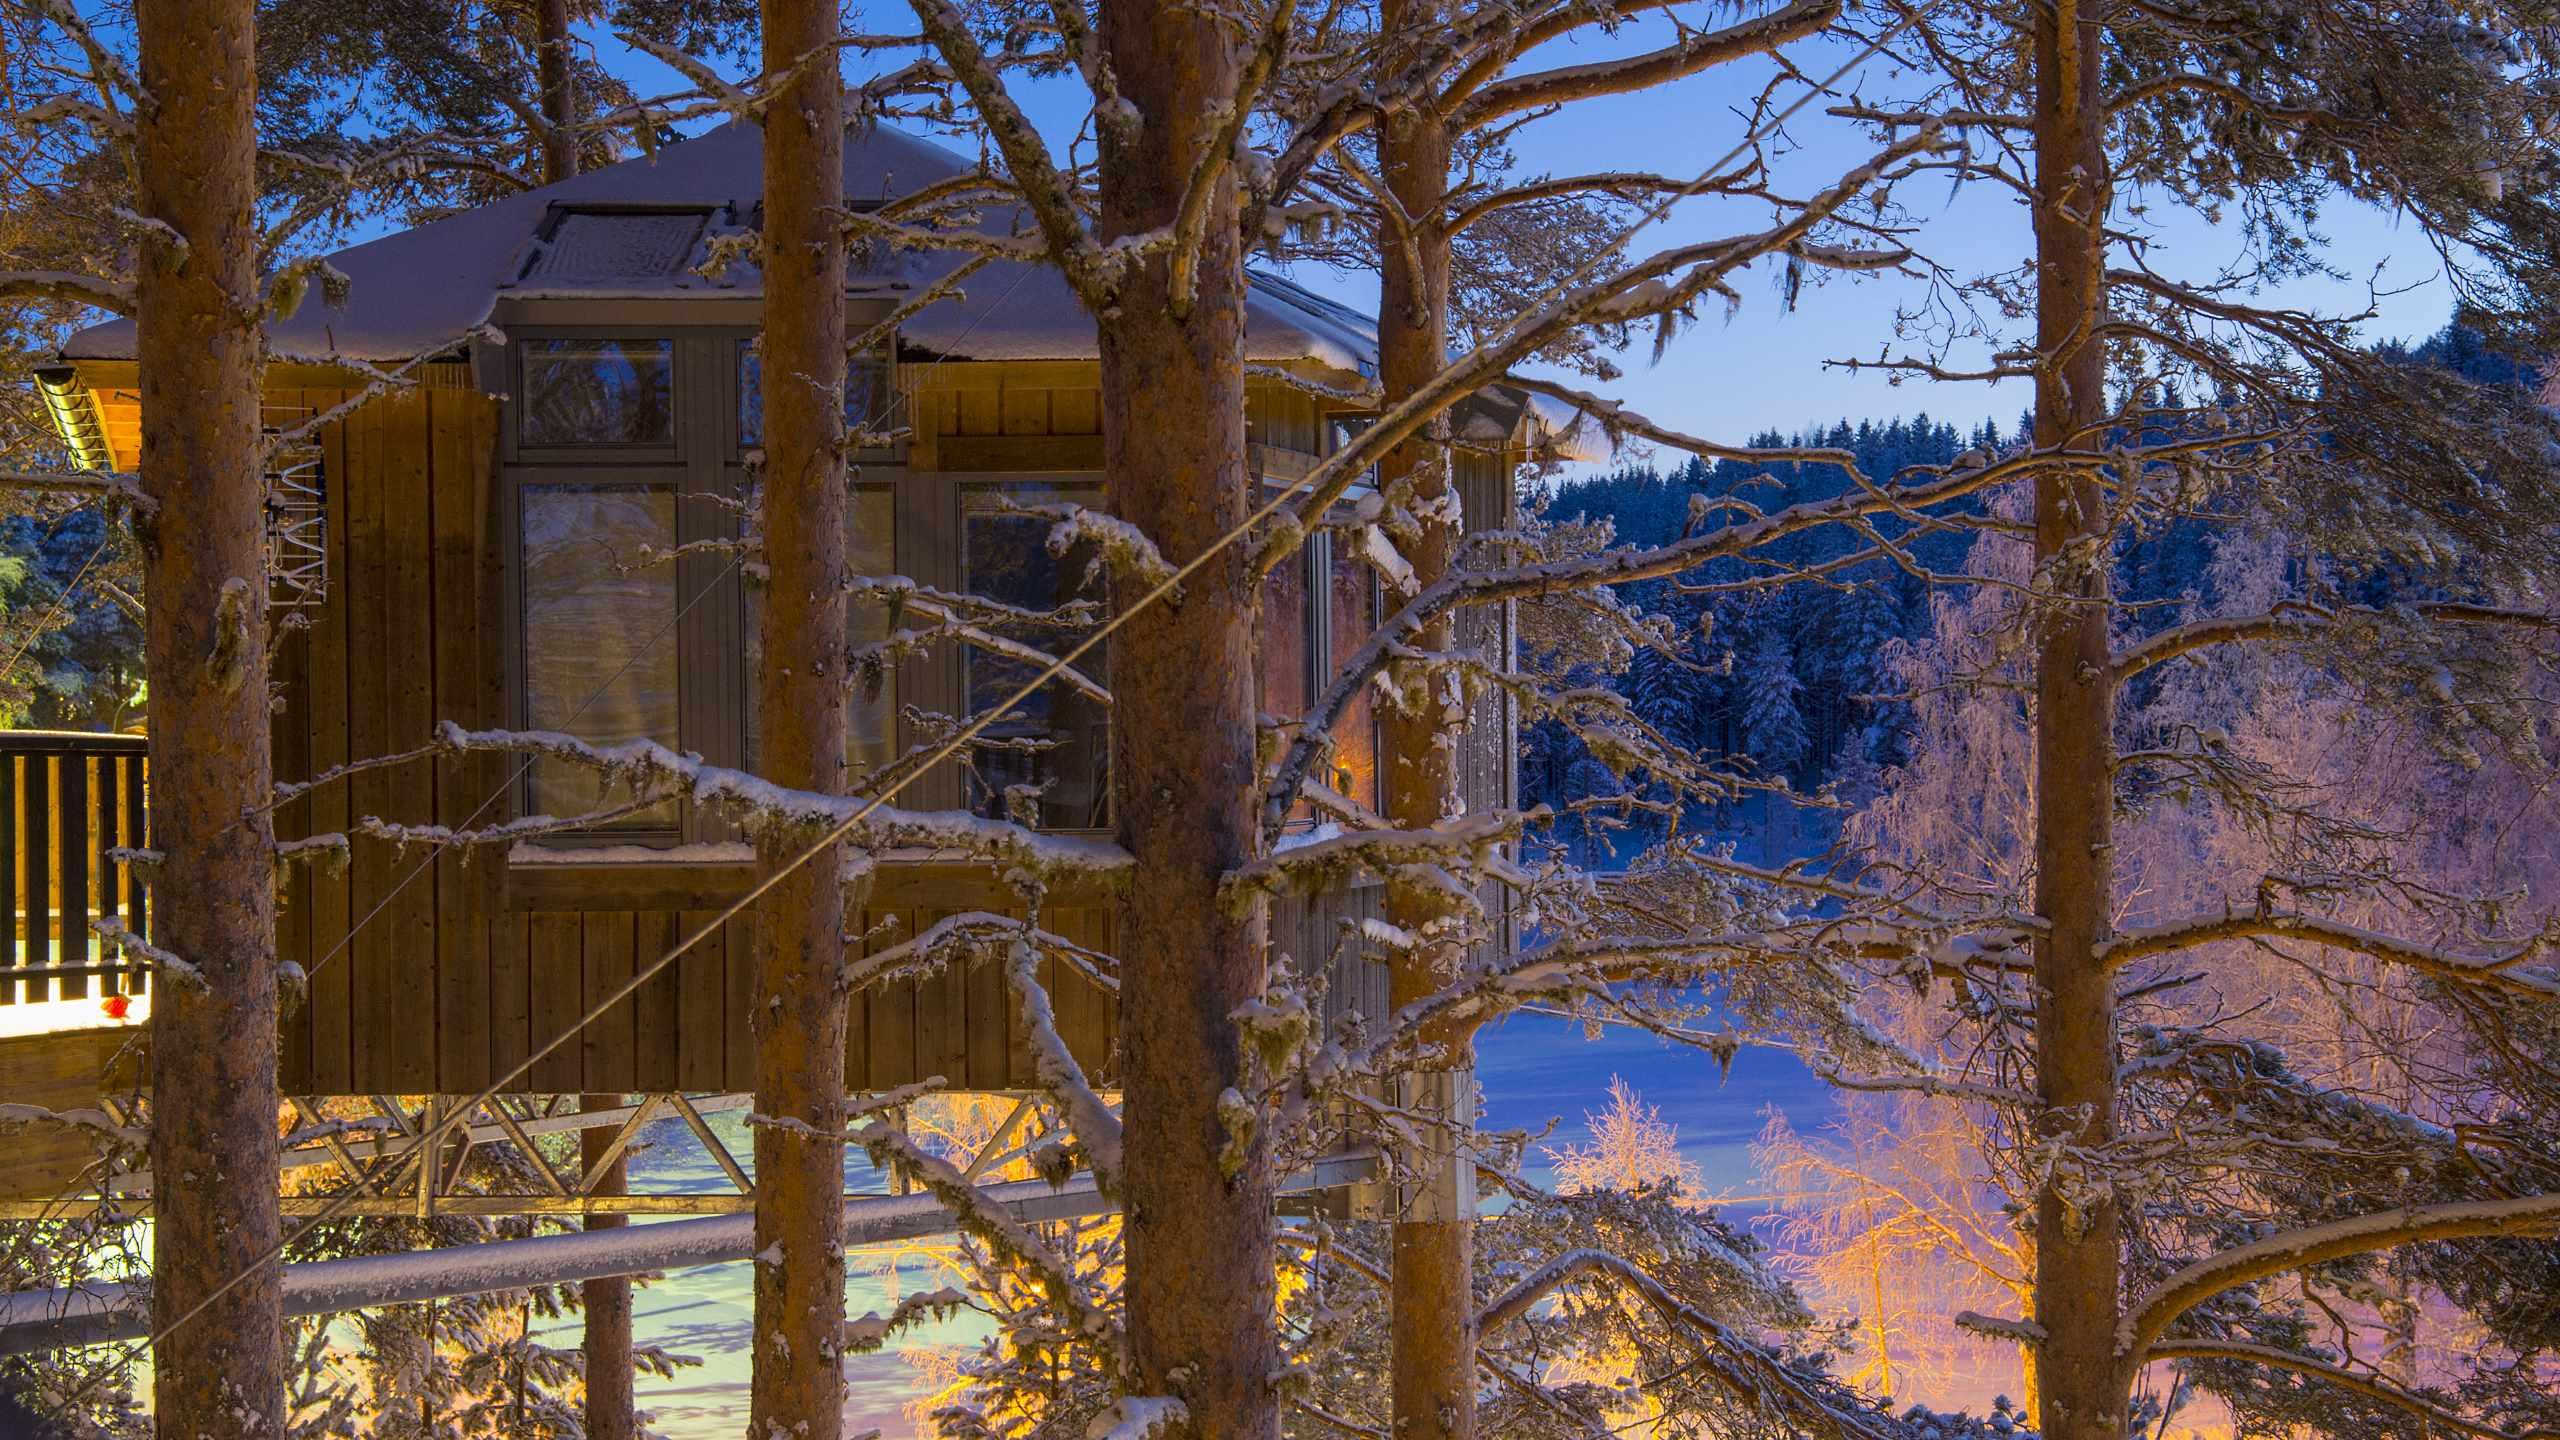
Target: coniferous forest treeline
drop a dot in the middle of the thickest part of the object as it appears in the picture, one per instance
(1796, 683)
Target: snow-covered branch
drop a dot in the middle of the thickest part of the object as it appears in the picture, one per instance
(2501, 970)
(1044, 188)
(112, 485)
(1745, 1368)
(977, 1215)
(1662, 284)
(2303, 618)
(1688, 55)
(2370, 1386)
(2292, 1250)
(1021, 855)
(65, 287)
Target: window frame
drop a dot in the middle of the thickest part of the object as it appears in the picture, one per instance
(519, 697)
(705, 459)
(708, 601)
(669, 452)
(960, 485)
(733, 433)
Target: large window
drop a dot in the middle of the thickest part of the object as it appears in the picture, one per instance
(580, 391)
(600, 659)
(1351, 616)
(1308, 633)
(871, 681)
(1050, 756)
(867, 394)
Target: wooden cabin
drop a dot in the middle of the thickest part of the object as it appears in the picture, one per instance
(578, 389)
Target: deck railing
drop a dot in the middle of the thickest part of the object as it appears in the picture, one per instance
(70, 800)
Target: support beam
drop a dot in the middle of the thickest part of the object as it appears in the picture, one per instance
(50, 1319)
(36, 1320)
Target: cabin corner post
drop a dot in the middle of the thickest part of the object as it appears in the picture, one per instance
(217, 1292)
(800, 1008)
(1200, 1231)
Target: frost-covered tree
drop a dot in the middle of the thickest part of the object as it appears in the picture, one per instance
(75, 634)
(1771, 722)
(2266, 768)
(2105, 117)
(1631, 1147)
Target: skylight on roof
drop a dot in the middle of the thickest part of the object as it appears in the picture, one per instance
(617, 245)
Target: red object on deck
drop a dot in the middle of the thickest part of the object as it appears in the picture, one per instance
(116, 1006)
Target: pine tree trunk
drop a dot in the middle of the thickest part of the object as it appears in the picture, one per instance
(559, 98)
(606, 1303)
(2077, 1257)
(800, 1010)
(1200, 1282)
(220, 1370)
(1433, 1307)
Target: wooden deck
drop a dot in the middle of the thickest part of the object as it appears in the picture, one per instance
(71, 799)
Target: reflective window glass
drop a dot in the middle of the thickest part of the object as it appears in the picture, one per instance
(599, 634)
(598, 392)
(1058, 741)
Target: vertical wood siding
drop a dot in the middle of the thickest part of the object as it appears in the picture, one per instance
(420, 979)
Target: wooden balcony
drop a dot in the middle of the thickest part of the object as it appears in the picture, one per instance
(71, 800)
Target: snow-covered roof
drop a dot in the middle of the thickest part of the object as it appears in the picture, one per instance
(640, 228)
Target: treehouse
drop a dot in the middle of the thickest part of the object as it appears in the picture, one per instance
(500, 444)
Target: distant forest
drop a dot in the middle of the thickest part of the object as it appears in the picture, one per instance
(1794, 683)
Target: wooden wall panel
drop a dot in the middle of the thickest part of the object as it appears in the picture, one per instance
(1088, 1015)
(558, 980)
(892, 1033)
(398, 948)
(64, 1070)
(368, 953)
(1284, 417)
(289, 657)
(411, 634)
(1075, 410)
(510, 993)
(407, 922)
(609, 1040)
(987, 1062)
(737, 1029)
(1024, 411)
(654, 1011)
(1488, 755)
(332, 974)
(461, 888)
(703, 1002)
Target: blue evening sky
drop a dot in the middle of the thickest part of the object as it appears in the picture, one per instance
(1764, 366)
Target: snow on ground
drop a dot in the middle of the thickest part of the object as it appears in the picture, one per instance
(709, 1311)
(1534, 1069)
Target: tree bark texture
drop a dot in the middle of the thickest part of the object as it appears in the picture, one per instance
(800, 1012)
(1433, 1307)
(559, 95)
(2077, 1275)
(1200, 1244)
(606, 1303)
(219, 1371)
